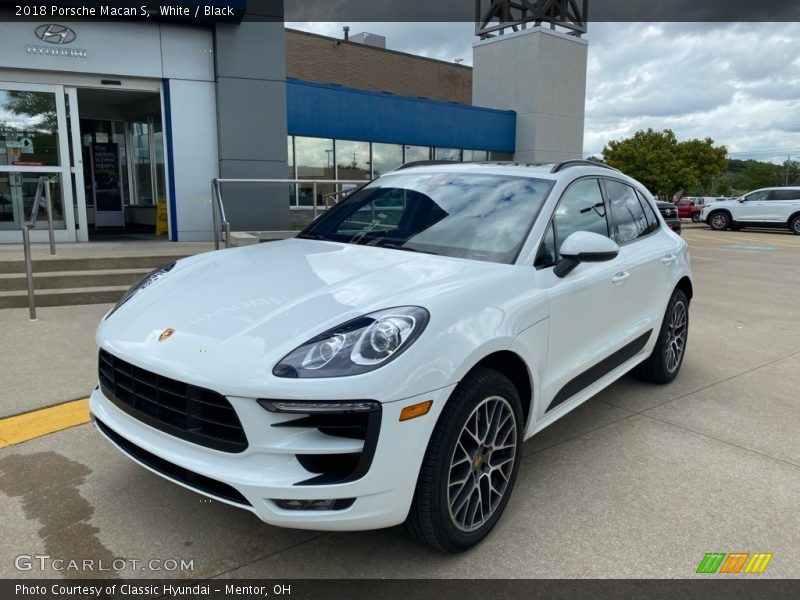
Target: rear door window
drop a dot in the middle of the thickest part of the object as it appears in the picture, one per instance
(630, 221)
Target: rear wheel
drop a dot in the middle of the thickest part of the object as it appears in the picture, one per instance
(667, 357)
(719, 221)
(696, 217)
(471, 464)
(794, 225)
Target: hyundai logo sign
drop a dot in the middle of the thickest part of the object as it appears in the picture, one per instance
(55, 34)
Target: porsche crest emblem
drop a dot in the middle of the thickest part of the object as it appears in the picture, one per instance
(165, 334)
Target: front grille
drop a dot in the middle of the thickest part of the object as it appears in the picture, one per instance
(191, 413)
(194, 480)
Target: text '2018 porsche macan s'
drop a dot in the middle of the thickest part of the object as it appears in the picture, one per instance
(386, 365)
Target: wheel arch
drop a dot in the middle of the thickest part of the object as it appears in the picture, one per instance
(512, 365)
(685, 285)
(714, 211)
(792, 217)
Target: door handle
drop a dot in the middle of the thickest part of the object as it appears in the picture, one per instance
(620, 277)
(669, 259)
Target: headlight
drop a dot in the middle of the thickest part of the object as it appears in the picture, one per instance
(143, 283)
(360, 345)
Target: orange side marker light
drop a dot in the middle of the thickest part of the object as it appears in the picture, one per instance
(416, 410)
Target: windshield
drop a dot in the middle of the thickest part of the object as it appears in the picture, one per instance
(480, 217)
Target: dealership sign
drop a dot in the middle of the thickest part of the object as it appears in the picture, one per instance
(57, 37)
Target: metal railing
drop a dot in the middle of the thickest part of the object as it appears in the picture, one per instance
(44, 184)
(218, 207)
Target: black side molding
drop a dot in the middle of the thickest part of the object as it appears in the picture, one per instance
(601, 369)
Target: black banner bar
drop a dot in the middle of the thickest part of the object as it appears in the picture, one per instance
(385, 10)
(710, 587)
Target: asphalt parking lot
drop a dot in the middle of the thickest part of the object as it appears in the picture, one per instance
(641, 481)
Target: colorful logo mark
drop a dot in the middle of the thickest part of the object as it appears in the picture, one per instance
(734, 562)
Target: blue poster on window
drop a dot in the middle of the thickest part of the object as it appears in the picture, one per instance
(107, 186)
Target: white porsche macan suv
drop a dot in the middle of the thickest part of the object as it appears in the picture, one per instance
(386, 365)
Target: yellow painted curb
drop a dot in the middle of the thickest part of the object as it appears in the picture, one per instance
(28, 426)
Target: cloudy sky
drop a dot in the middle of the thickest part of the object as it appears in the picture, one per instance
(738, 83)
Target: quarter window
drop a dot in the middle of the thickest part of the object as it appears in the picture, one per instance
(784, 195)
(630, 221)
(649, 213)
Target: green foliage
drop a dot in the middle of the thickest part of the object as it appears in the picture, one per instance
(757, 175)
(665, 165)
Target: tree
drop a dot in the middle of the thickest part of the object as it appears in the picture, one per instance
(756, 174)
(663, 164)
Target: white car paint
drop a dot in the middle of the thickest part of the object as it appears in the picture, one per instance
(236, 313)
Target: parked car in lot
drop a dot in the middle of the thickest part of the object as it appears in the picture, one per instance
(767, 207)
(670, 213)
(690, 208)
(386, 364)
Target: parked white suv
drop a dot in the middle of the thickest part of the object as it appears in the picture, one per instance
(387, 363)
(767, 207)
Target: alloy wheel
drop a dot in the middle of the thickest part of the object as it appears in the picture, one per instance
(676, 337)
(482, 463)
(719, 222)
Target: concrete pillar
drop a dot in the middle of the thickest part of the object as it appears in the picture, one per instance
(251, 120)
(540, 74)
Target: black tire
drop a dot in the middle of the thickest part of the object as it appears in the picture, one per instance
(431, 519)
(662, 366)
(794, 225)
(719, 220)
(696, 217)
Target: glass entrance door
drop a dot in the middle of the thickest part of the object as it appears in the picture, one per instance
(34, 144)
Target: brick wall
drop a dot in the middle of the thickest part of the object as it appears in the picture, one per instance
(318, 58)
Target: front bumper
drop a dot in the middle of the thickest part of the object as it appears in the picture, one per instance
(269, 469)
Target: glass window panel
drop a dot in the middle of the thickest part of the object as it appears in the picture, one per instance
(475, 155)
(28, 129)
(629, 218)
(447, 154)
(142, 175)
(17, 196)
(158, 159)
(415, 153)
(581, 209)
(481, 217)
(291, 175)
(352, 160)
(385, 158)
(315, 160)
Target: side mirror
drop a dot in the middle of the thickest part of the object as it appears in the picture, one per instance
(584, 246)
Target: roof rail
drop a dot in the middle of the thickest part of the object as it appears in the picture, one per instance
(566, 164)
(425, 163)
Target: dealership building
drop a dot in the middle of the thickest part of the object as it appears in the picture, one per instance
(131, 121)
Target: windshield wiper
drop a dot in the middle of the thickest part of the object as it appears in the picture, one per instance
(407, 249)
(311, 236)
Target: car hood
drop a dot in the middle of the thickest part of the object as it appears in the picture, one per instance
(245, 305)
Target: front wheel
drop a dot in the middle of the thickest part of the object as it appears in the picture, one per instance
(667, 357)
(471, 464)
(719, 221)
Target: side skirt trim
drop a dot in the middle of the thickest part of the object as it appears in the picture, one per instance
(600, 370)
